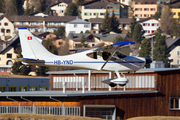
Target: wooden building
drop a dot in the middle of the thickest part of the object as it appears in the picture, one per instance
(150, 92)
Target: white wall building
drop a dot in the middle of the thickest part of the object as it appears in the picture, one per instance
(59, 8)
(76, 26)
(150, 25)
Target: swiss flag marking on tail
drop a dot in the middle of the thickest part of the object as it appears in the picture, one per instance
(29, 38)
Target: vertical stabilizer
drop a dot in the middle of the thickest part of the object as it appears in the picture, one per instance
(31, 47)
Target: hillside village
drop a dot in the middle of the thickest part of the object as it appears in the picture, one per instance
(67, 30)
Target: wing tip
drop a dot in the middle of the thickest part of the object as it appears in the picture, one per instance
(124, 43)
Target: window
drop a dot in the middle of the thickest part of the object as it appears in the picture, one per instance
(95, 14)
(9, 62)
(152, 31)
(146, 9)
(101, 13)
(75, 25)
(9, 55)
(146, 15)
(33, 88)
(95, 7)
(2, 30)
(148, 24)
(43, 88)
(152, 9)
(86, 26)
(152, 24)
(152, 3)
(72, 31)
(12, 88)
(178, 62)
(146, 2)
(138, 15)
(61, 11)
(8, 31)
(138, 9)
(88, 14)
(0, 24)
(87, 7)
(174, 103)
(22, 88)
(136, 3)
(2, 88)
(148, 31)
(5, 24)
(102, 7)
(177, 52)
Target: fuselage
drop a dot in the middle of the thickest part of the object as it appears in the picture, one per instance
(83, 61)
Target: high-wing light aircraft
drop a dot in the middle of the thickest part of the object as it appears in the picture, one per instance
(107, 58)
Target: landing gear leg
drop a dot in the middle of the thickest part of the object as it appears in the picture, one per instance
(112, 77)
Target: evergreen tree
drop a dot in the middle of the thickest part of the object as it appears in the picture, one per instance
(118, 38)
(71, 10)
(19, 68)
(83, 40)
(114, 24)
(41, 70)
(145, 50)
(106, 22)
(157, 15)
(42, 6)
(48, 10)
(60, 32)
(17, 7)
(138, 33)
(1, 5)
(78, 2)
(160, 52)
(87, 31)
(132, 25)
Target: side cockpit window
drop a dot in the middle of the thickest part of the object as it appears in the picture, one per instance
(92, 55)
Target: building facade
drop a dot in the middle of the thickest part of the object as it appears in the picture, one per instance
(76, 26)
(59, 8)
(97, 9)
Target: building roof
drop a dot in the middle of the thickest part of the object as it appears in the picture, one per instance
(14, 18)
(62, 1)
(78, 21)
(37, 13)
(106, 2)
(121, 20)
(104, 37)
(145, 19)
(171, 41)
(72, 93)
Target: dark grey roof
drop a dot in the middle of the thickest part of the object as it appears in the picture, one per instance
(72, 93)
(121, 20)
(171, 41)
(22, 18)
(78, 21)
(104, 37)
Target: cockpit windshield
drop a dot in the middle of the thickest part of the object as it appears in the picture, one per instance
(120, 54)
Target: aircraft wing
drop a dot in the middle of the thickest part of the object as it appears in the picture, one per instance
(112, 49)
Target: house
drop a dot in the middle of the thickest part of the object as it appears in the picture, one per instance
(97, 9)
(6, 28)
(92, 39)
(76, 26)
(38, 13)
(173, 45)
(144, 8)
(9, 54)
(97, 22)
(39, 23)
(175, 8)
(59, 8)
(150, 25)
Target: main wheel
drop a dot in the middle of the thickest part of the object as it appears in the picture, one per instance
(112, 84)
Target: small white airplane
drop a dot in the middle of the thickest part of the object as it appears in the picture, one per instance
(107, 58)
